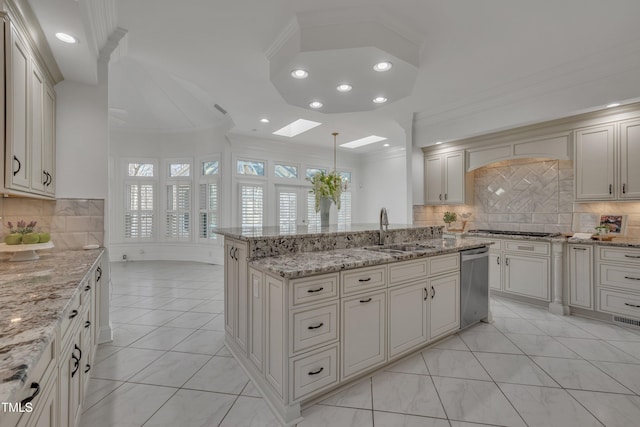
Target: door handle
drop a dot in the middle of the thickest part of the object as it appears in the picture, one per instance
(15, 159)
(433, 292)
(498, 260)
(610, 188)
(26, 400)
(632, 305)
(426, 294)
(46, 178)
(446, 196)
(235, 254)
(440, 197)
(507, 262)
(624, 188)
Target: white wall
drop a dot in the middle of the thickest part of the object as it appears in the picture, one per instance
(383, 184)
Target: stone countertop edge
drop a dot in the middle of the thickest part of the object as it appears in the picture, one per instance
(620, 242)
(558, 239)
(304, 264)
(21, 351)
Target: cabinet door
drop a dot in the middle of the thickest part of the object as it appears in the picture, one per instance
(242, 325)
(230, 288)
(407, 317)
(433, 180)
(49, 142)
(17, 131)
(454, 178)
(594, 163)
(256, 320)
(580, 276)
(363, 333)
(495, 270)
(527, 276)
(629, 154)
(45, 414)
(70, 382)
(444, 305)
(36, 128)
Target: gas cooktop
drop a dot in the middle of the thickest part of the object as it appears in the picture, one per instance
(516, 233)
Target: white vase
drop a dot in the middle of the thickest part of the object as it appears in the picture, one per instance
(325, 207)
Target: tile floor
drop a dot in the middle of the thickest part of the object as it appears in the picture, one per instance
(168, 366)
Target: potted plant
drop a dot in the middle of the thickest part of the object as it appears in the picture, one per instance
(602, 230)
(449, 218)
(327, 188)
(22, 233)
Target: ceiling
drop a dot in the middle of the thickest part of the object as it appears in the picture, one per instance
(481, 65)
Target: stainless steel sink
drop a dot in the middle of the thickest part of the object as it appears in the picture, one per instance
(400, 248)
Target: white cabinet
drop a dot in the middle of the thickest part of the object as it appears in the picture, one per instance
(580, 275)
(527, 275)
(256, 319)
(444, 304)
(30, 120)
(605, 162)
(407, 317)
(363, 332)
(618, 281)
(236, 291)
(495, 271)
(445, 181)
(629, 155)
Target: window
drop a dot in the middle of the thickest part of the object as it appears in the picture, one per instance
(286, 171)
(247, 167)
(208, 199)
(344, 214)
(251, 205)
(313, 217)
(139, 203)
(313, 171)
(177, 211)
(287, 210)
(346, 177)
(140, 169)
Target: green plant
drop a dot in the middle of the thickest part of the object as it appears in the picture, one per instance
(22, 227)
(326, 185)
(450, 217)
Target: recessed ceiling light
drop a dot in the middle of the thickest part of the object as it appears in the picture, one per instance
(439, 142)
(385, 145)
(363, 141)
(344, 87)
(296, 128)
(379, 100)
(383, 66)
(67, 38)
(316, 104)
(264, 120)
(299, 74)
(613, 104)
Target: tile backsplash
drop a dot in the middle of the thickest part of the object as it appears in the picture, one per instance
(527, 195)
(72, 223)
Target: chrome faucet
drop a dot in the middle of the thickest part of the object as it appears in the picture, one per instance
(384, 221)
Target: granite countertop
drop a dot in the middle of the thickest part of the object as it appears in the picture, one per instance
(34, 297)
(558, 238)
(617, 241)
(275, 232)
(311, 263)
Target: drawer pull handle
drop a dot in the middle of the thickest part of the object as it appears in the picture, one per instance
(15, 159)
(610, 189)
(311, 291)
(33, 396)
(87, 288)
(526, 248)
(365, 300)
(498, 260)
(368, 279)
(631, 278)
(433, 292)
(79, 351)
(624, 188)
(317, 372)
(76, 365)
(632, 305)
(579, 249)
(88, 368)
(98, 274)
(319, 325)
(631, 256)
(87, 323)
(73, 314)
(426, 294)
(507, 262)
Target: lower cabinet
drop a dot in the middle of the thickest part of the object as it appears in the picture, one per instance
(71, 387)
(407, 317)
(495, 271)
(581, 276)
(45, 413)
(363, 332)
(444, 305)
(527, 275)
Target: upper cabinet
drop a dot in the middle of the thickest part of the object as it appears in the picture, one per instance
(30, 103)
(604, 158)
(445, 179)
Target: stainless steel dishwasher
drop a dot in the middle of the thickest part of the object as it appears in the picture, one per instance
(474, 286)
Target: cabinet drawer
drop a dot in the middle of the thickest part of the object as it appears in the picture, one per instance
(312, 289)
(363, 279)
(405, 271)
(620, 254)
(621, 303)
(314, 372)
(313, 327)
(538, 248)
(620, 276)
(497, 244)
(73, 314)
(443, 264)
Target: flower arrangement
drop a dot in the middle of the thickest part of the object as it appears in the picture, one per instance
(326, 185)
(21, 227)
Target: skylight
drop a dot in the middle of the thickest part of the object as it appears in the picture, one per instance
(296, 128)
(363, 141)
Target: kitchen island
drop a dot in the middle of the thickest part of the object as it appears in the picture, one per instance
(309, 312)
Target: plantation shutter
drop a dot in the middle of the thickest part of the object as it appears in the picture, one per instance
(251, 205)
(139, 207)
(313, 217)
(177, 212)
(208, 210)
(287, 210)
(344, 214)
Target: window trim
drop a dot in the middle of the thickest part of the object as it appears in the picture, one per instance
(247, 176)
(127, 180)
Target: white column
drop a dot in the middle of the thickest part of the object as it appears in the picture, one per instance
(557, 305)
